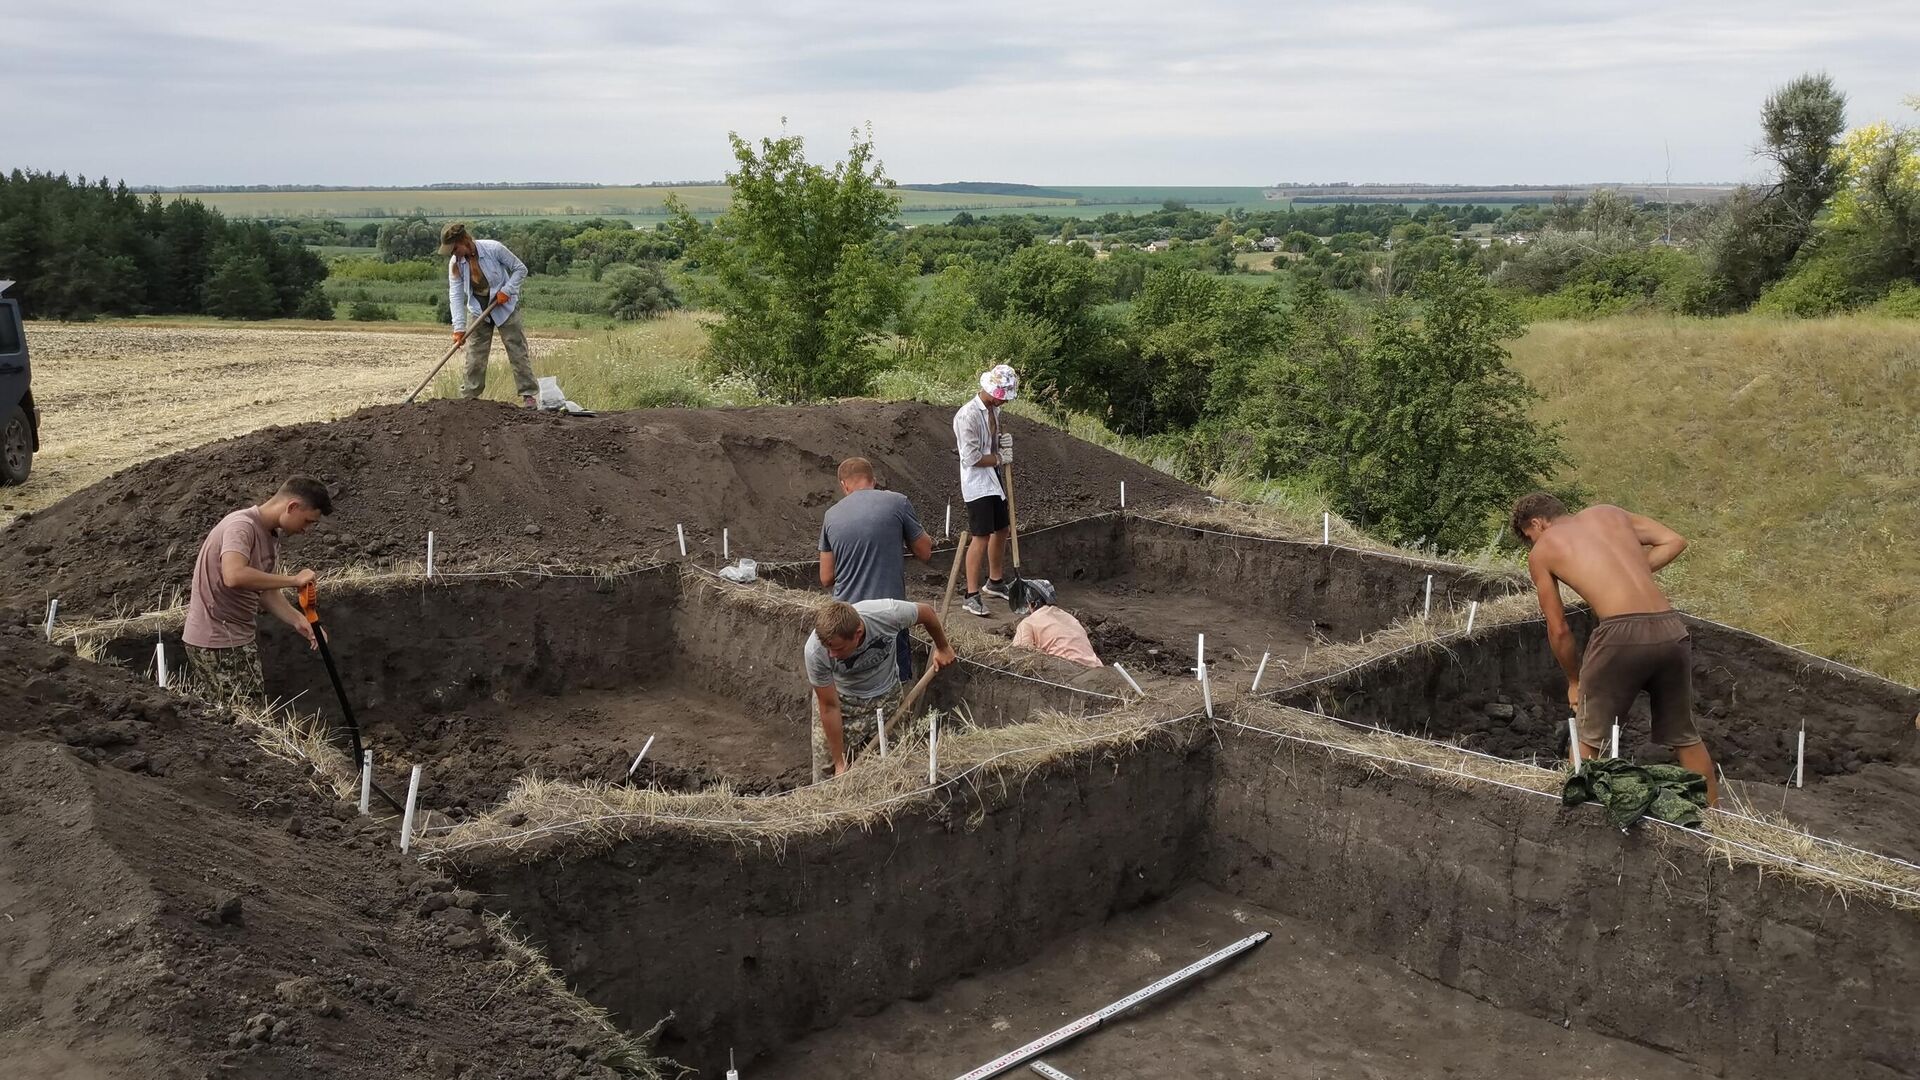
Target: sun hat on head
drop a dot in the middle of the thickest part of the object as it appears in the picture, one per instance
(1000, 383)
(452, 233)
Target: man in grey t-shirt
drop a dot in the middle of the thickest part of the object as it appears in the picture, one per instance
(850, 665)
(863, 544)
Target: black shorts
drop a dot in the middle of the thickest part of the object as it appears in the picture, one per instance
(987, 515)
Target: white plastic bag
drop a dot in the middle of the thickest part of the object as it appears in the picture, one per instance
(746, 571)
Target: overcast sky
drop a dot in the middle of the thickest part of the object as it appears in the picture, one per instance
(1114, 91)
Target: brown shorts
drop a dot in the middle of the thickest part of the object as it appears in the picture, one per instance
(1631, 653)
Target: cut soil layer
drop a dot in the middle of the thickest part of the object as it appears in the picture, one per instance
(484, 680)
(504, 485)
(1545, 915)
(1305, 1003)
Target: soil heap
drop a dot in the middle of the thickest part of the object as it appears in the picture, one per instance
(498, 484)
(180, 904)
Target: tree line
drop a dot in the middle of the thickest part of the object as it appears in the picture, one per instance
(79, 250)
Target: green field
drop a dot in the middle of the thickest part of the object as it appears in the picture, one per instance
(370, 204)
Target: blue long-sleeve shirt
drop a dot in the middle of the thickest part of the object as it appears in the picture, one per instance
(504, 272)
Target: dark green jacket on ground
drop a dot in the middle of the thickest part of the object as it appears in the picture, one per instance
(1630, 792)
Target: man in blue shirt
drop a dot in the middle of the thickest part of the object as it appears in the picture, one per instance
(864, 541)
(480, 272)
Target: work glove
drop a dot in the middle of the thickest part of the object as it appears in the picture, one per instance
(1005, 455)
(500, 298)
(1006, 441)
(459, 338)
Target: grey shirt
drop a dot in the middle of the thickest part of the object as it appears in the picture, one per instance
(868, 532)
(872, 670)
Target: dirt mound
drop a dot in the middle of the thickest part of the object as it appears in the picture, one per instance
(493, 482)
(180, 904)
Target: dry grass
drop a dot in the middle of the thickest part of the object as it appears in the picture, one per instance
(640, 365)
(1444, 630)
(1787, 451)
(979, 768)
(116, 395)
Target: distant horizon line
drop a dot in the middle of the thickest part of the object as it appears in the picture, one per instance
(1439, 187)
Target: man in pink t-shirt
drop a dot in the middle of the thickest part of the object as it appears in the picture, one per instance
(1052, 630)
(233, 576)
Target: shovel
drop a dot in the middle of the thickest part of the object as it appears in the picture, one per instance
(488, 310)
(1016, 588)
(309, 596)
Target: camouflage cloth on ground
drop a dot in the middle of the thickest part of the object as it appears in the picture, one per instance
(226, 674)
(859, 726)
(1630, 792)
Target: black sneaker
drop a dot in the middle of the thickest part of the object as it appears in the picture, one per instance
(995, 589)
(976, 605)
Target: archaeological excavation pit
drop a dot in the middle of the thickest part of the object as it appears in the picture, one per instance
(483, 680)
(1420, 923)
(1146, 589)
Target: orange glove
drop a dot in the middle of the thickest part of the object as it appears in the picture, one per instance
(459, 338)
(500, 298)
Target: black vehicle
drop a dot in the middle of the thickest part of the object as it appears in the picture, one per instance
(19, 419)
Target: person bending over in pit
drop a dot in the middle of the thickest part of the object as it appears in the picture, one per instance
(851, 667)
(1609, 556)
(983, 449)
(482, 272)
(234, 576)
(1052, 629)
(864, 541)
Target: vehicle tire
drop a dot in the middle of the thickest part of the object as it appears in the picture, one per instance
(16, 447)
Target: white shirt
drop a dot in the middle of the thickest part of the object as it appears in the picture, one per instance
(974, 431)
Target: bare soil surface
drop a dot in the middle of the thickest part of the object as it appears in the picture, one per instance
(700, 740)
(1303, 1004)
(500, 484)
(112, 396)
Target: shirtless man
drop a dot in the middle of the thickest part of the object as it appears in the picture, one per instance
(1609, 556)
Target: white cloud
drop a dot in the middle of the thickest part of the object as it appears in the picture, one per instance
(1209, 91)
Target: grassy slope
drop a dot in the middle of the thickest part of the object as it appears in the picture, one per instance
(1788, 452)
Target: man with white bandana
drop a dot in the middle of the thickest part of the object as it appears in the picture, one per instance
(983, 449)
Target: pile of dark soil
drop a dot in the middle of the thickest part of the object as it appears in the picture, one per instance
(497, 483)
(179, 904)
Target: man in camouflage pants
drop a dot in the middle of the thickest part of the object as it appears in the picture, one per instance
(233, 577)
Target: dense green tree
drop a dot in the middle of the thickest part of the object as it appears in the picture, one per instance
(408, 238)
(241, 286)
(1449, 436)
(640, 291)
(800, 273)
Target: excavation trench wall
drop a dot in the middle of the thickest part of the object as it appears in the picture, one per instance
(1499, 893)
(1345, 593)
(749, 947)
(1508, 897)
(1503, 693)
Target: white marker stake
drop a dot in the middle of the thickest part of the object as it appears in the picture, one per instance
(1473, 609)
(53, 609)
(933, 750)
(1326, 528)
(429, 556)
(1800, 759)
(732, 1073)
(880, 725)
(681, 531)
(160, 663)
(1616, 737)
(1262, 671)
(1125, 675)
(726, 550)
(949, 532)
(366, 779)
(406, 819)
(1200, 656)
(1573, 735)
(1426, 610)
(1206, 690)
(1123, 494)
(637, 757)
